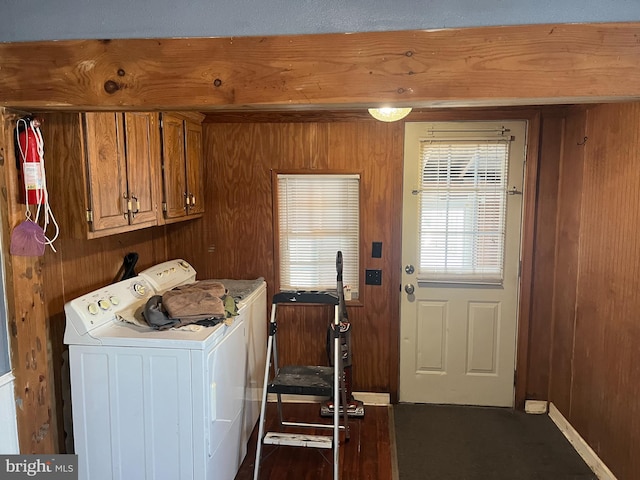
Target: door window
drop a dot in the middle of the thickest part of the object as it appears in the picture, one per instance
(462, 210)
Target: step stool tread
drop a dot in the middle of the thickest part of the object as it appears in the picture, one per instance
(298, 440)
(303, 380)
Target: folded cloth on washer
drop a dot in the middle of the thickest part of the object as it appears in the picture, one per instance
(204, 302)
(157, 317)
(196, 301)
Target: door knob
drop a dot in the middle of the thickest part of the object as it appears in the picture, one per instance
(409, 269)
(409, 288)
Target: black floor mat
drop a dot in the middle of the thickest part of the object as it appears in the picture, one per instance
(437, 442)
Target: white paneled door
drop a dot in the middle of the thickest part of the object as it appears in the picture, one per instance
(462, 210)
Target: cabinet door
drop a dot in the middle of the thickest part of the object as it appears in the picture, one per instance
(142, 154)
(107, 169)
(195, 170)
(174, 174)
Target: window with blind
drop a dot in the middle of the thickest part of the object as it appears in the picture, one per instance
(462, 210)
(318, 215)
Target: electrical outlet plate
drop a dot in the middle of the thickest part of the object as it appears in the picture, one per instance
(373, 277)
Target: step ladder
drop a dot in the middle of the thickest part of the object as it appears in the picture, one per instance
(307, 380)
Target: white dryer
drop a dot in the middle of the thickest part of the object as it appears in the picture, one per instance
(157, 405)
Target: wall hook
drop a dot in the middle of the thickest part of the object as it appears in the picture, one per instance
(584, 140)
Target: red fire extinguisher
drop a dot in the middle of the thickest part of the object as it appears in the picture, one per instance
(30, 155)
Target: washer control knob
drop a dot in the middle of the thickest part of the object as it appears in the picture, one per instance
(139, 289)
(92, 308)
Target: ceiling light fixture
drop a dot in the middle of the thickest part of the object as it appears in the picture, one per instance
(389, 114)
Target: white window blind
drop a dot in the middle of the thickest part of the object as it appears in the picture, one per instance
(318, 215)
(462, 210)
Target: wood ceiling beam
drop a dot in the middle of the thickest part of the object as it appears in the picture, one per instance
(523, 65)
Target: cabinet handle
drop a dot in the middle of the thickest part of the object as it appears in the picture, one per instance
(186, 199)
(193, 200)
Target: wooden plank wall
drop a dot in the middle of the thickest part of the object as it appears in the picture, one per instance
(606, 381)
(565, 274)
(552, 123)
(590, 335)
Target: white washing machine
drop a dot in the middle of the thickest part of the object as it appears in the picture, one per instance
(155, 405)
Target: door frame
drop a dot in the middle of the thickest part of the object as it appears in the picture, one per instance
(526, 243)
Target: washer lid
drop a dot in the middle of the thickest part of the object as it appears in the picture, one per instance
(122, 334)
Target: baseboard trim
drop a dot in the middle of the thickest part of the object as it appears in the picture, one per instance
(584, 450)
(373, 398)
(368, 398)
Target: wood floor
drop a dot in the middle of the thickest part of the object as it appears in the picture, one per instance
(368, 455)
